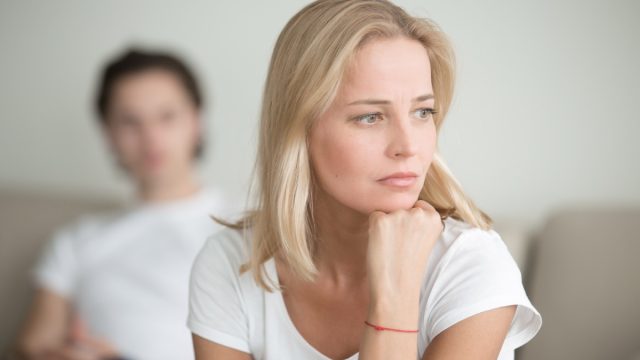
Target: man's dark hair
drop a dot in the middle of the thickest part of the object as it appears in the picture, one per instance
(134, 61)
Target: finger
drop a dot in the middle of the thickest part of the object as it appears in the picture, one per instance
(84, 340)
(376, 215)
(430, 209)
(72, 353)
(100, 346)
(78, 331)
(424, 205)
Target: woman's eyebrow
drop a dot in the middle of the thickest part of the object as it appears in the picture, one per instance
(424, 97)
(383, 102)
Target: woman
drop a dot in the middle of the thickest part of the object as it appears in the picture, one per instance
(117, 284)
(352, 206)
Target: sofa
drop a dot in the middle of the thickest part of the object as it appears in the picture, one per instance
(27, 221)
(584, 278)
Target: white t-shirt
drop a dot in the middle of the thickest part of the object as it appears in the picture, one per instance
(127, 273)
(469, 271)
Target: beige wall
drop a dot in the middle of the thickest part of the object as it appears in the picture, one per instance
(544, 114)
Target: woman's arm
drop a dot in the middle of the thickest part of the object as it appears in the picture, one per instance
(390, 344)
(399, 243)
(478, 337)
(207, 350)
(46, 326)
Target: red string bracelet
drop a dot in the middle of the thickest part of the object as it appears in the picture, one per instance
(381, 328)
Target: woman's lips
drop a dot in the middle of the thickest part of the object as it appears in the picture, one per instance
(399, 180)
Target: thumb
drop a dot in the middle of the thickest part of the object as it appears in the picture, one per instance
(429, 208)
(424, 205)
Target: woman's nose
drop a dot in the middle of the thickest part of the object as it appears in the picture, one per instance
(402, 138)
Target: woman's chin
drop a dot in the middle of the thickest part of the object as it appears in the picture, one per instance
(394, 204)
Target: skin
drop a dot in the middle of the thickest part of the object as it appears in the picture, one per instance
(152, 128)
(371, 236)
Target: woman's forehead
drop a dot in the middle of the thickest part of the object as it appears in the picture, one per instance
(384, 67)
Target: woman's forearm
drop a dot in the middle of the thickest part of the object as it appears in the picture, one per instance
(387, 344)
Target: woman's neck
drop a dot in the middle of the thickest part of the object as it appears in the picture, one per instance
(341, 242)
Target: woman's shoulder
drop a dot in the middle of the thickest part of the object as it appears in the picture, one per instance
(463, 247)
(218, 299)
(475, 272)
(459, 235)
(227, 243)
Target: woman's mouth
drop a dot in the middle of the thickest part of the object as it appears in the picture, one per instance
(400, 179)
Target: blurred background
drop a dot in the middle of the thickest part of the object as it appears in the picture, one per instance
(542, 135)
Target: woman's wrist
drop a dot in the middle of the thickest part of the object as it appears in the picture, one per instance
(390, 298)
(396, 312)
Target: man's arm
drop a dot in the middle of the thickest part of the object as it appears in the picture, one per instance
(46, 326)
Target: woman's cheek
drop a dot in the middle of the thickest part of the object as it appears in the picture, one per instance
(350, 157)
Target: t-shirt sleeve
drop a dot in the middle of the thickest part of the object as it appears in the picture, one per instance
(478, 274)
(57, 267)
(216, 310)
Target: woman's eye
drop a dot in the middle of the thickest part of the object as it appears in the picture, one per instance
(425, 113)
(369, 119)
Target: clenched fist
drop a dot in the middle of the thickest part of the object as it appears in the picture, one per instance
(399, 246)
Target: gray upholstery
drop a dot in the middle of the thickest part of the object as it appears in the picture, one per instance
(27, 221)
(585, 281)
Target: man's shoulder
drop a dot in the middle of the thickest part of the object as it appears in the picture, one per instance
(86, 226)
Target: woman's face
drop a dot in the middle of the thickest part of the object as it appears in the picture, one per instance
(153, 126)
(371, 149)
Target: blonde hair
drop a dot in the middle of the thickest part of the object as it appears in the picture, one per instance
(307, 66)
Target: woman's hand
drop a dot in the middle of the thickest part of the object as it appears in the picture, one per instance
(399, 246)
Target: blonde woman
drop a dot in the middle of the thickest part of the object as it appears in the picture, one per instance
(363, 245)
